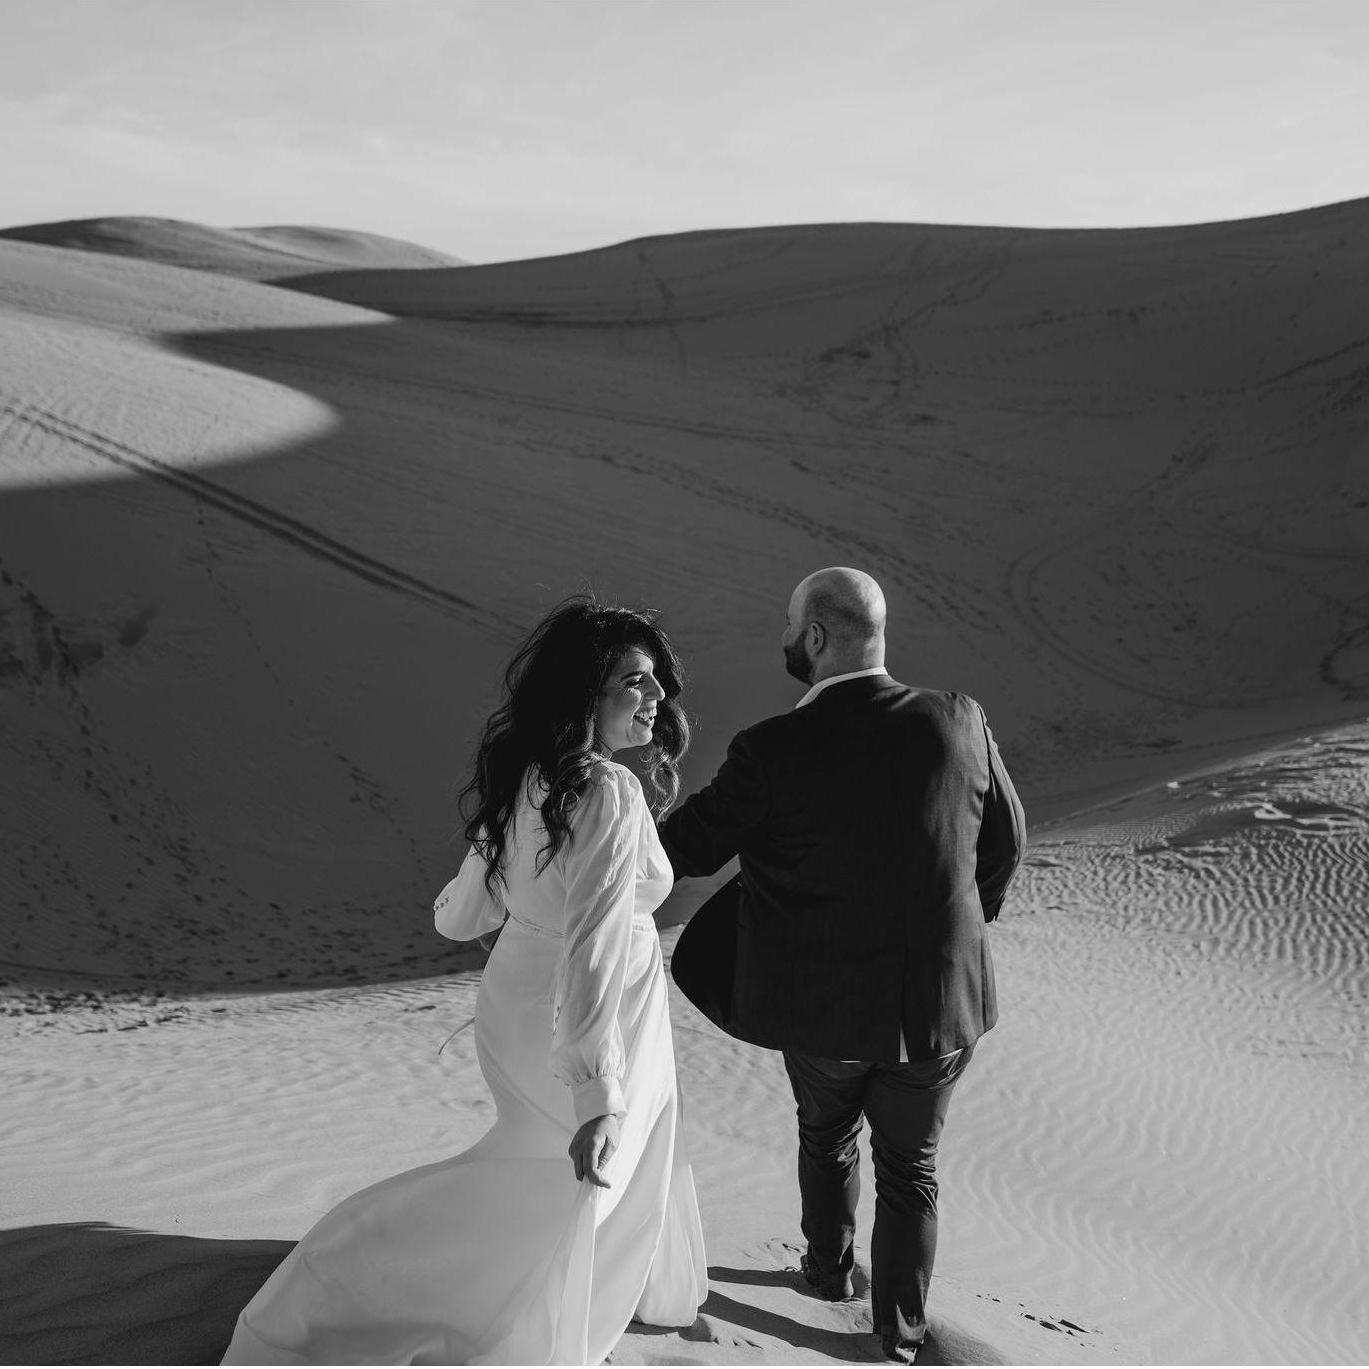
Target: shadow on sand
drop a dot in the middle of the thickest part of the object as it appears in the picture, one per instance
(945, 1344)
(318, 619)
(89, 1293)
(366, 611)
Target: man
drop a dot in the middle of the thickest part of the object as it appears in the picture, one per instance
(878, 832)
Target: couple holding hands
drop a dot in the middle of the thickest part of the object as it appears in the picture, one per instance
(877, 831)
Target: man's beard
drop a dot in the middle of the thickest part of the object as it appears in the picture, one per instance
(796, 662)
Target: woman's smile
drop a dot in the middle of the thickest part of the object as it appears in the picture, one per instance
(626, 714)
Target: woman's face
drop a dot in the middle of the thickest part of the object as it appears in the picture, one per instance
(627, 702)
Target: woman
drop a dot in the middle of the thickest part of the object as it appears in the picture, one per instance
(576, 1212)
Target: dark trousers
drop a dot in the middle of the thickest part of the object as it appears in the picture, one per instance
(906, 1105)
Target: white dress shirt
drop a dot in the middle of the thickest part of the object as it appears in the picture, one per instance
(837, 679)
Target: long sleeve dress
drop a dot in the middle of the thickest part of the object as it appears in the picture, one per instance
(498, 1255)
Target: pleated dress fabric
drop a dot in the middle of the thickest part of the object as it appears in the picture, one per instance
(498, 1255)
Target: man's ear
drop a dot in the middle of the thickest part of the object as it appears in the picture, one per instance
(817, 635)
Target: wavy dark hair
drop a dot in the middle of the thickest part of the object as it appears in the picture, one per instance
(546, 723)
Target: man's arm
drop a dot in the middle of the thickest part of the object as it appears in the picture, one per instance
(1002, 833)
(710, 827)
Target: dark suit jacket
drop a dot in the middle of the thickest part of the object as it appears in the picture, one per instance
(878, 831)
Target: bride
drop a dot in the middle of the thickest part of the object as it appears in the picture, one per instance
(576, 1212)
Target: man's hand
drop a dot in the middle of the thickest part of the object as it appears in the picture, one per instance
(591, 1147)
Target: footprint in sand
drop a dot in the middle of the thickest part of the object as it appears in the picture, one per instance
(704, 1329)
(1313, 821)
(1329, 822)
(707, 1331)
(1063, 1324)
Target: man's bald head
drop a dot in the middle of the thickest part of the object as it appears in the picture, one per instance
(836, 624)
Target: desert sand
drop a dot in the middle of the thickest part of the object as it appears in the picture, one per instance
(266, 539)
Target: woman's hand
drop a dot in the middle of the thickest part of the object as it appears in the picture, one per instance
(591, 1147)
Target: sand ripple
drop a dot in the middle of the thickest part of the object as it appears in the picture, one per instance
(1183, 1055)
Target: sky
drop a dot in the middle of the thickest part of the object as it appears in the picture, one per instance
(502, 129)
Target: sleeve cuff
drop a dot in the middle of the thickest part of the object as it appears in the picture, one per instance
(597, 1098)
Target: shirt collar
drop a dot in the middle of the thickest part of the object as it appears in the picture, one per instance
(837, 679)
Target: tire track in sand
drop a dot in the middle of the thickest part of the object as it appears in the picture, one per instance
(303, 538)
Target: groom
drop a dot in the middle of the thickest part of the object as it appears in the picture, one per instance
(878, 832)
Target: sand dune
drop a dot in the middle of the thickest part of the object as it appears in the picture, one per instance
(267, 254)
(263, 550)
(1156, 1159)
(1136, 541)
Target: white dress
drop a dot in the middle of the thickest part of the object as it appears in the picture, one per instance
(498, 1255)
